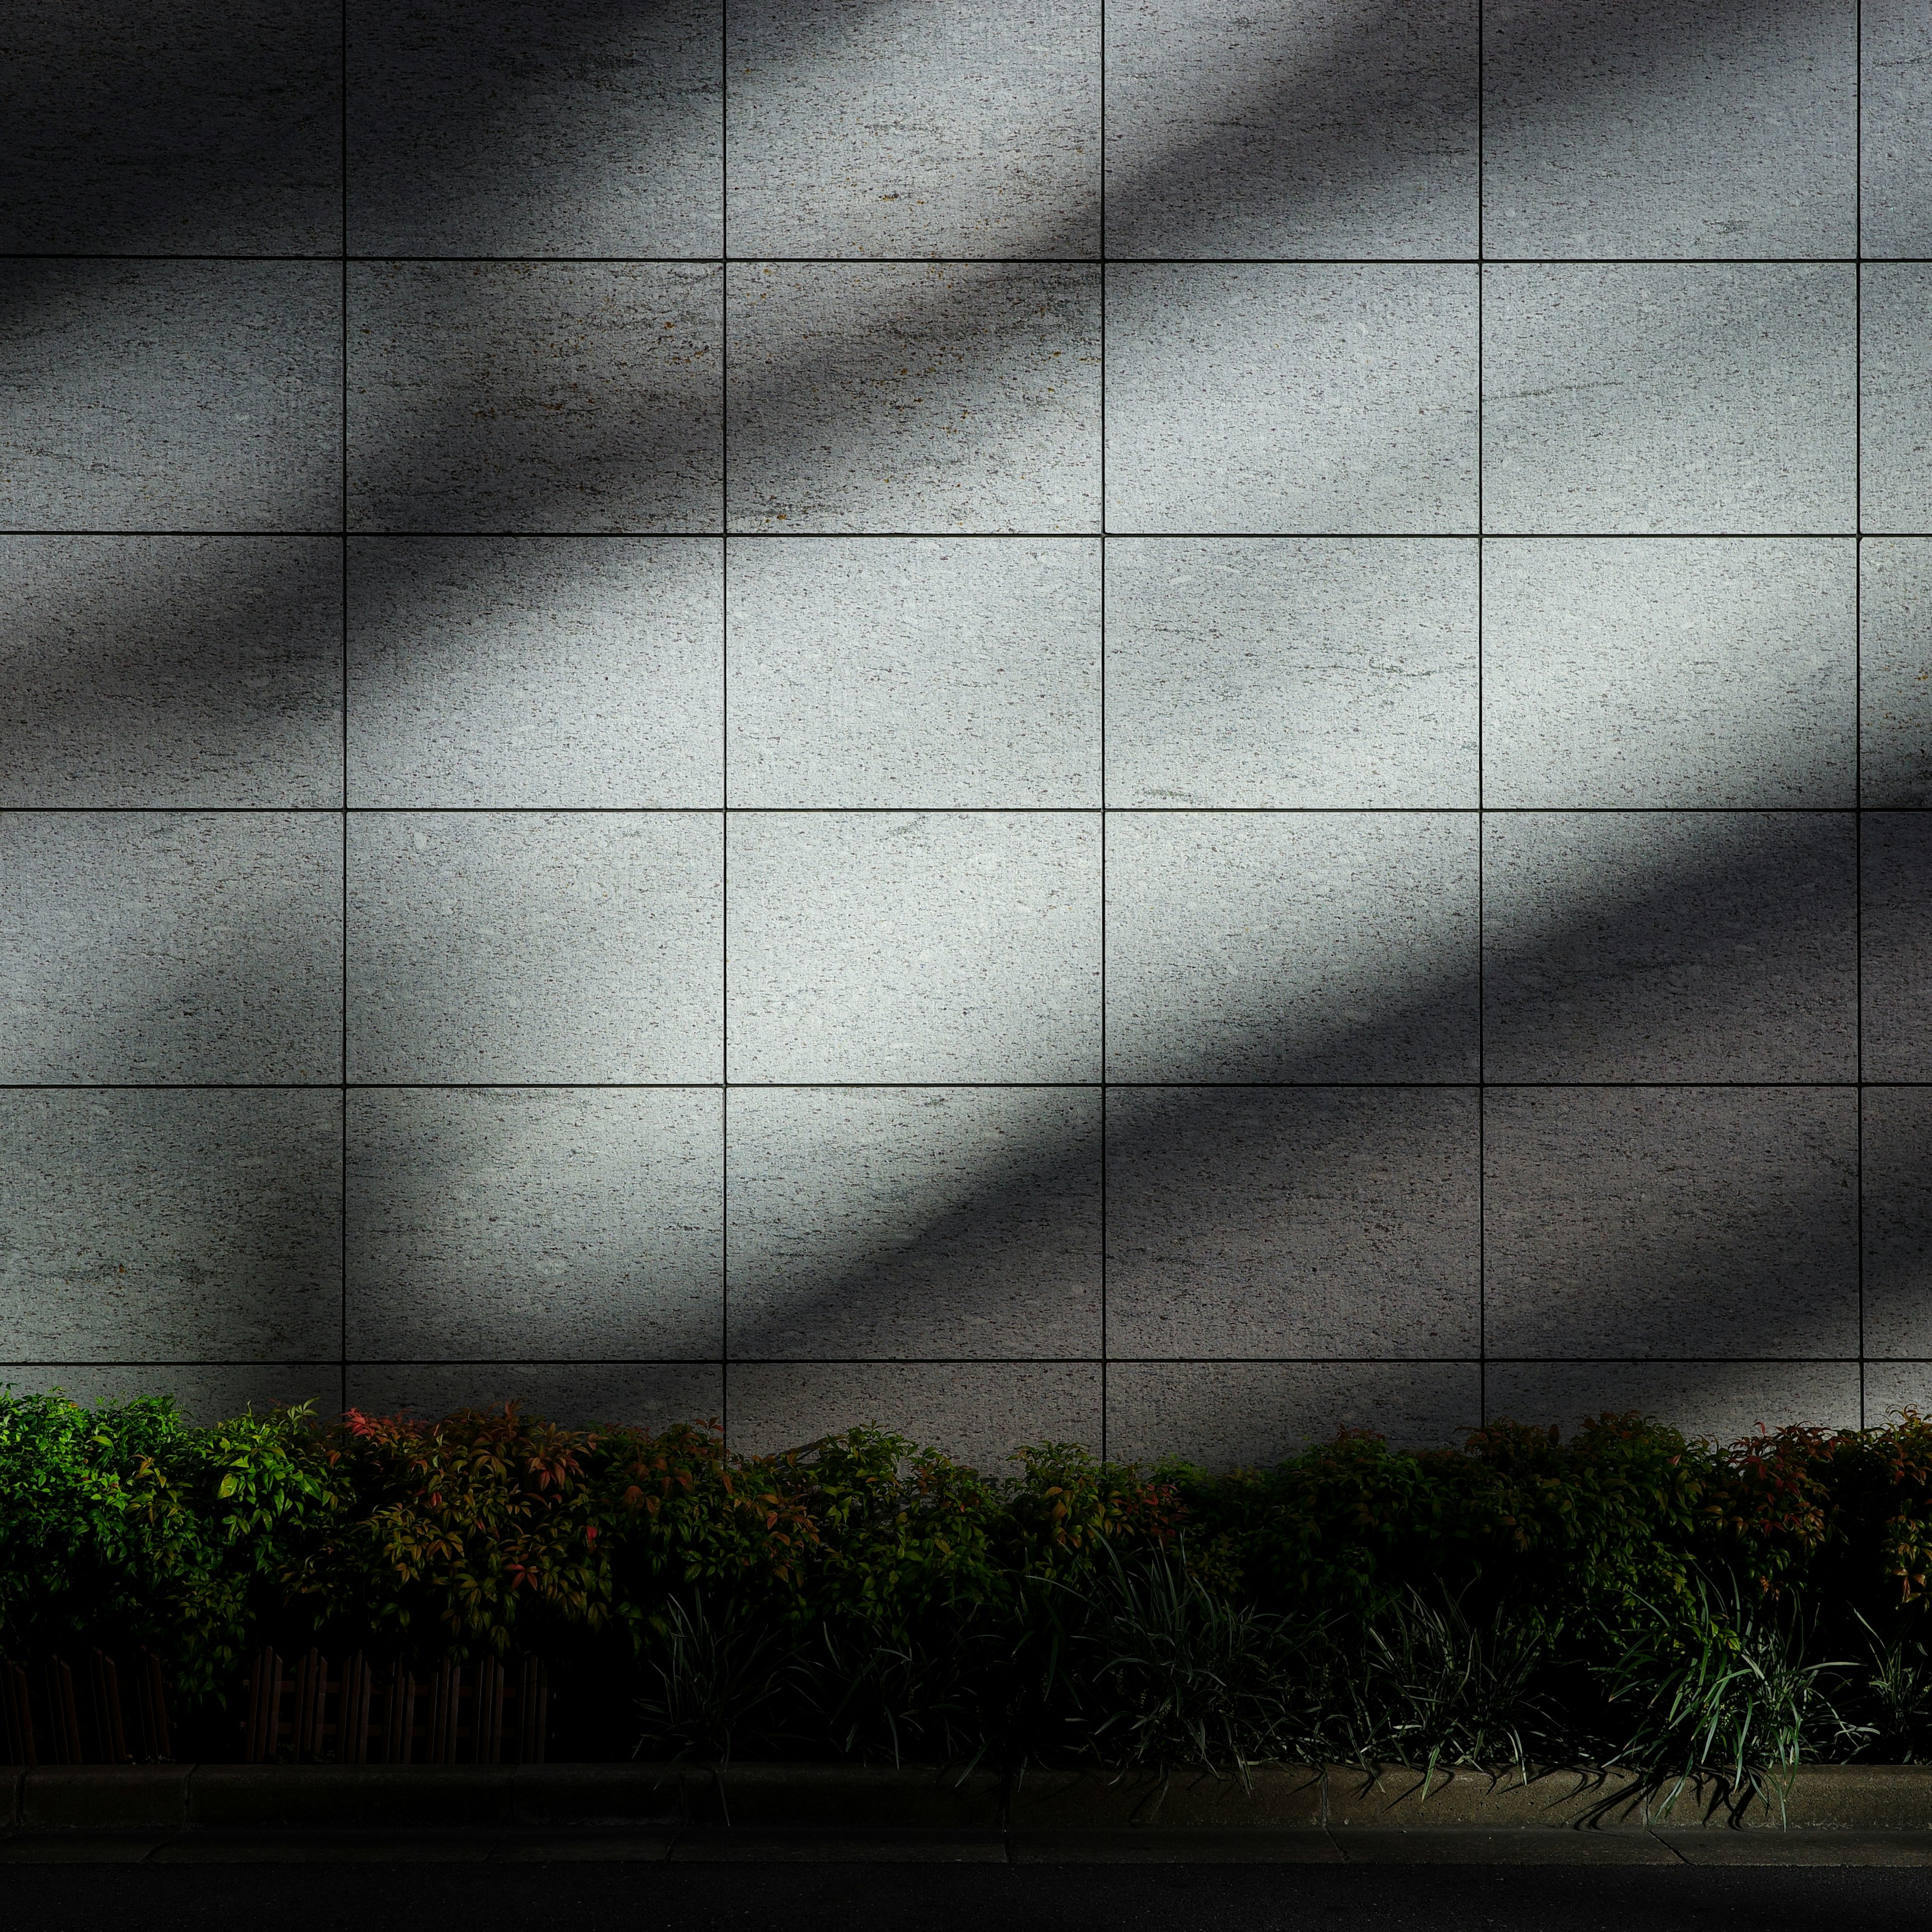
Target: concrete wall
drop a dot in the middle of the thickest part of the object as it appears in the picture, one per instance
(1031, 719)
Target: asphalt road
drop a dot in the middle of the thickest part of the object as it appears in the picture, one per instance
(957, 1898)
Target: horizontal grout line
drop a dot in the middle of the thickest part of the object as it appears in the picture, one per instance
(965, 810)
(331, 1362)
(1458, 536)
(972, 1361)
(1096, 259)
(1101, 534)
(1666, 1361)
(938, 1085)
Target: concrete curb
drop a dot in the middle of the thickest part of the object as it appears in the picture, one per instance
(905, 1845)
(687, 1803)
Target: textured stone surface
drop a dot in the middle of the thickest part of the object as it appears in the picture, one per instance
(179, 1227)
(1669, 398)
(646, 1395)
(1248, 1414)
(970, 129)
(534, 396)
(1895, 670)
(909, 398)
(1898, 957)
(1245, 399)
(1670, 946)
(1309, 945)
(1894, 494)
(890, 672)
(1672, 127)
(976, 1411)
(1695, 1222)
(172, 395)
(572, 128)
(163, 127)
(203, 1391)
(1292, 1221)
(914, 1222)
(1891, 1387)
(595, 801)
(1720, 1400)
(502, 1223)
(507, 947)
(197, 671)
(170, 946)
(556, 671)
(1287, 672)
(1654, 671)
(1896, 1192)
(913, 946)
(1896, 38)
(1291, 128)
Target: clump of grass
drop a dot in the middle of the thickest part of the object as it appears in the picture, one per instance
(1896, 1700)
(1431, 1686)
(872, 1695)
(1722, 1701)
(1176, 1673)
(717, 1681)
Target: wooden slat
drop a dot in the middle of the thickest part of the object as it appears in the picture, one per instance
(151, 1742)
(63, 1730)
(308, 1714)
(487, 1718)
(17, 1717)
(265, 1703)
(106, 1732)
(448, 1688)
(533, 1713)
(351, 1720)
(399, 1717)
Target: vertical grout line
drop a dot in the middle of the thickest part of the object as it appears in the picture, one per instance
(1482, 1037)
(342, 1097)
(1857, 627)
(723, 723)
(1106, 1128)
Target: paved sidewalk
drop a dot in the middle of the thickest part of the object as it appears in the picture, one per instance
(817, 1846)
(590, 1897)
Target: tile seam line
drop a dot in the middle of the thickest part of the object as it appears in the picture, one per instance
(1258, 1084)
(670, 1361)
(1097, 261)
(470, 535)
(1105, 1164)
(342, 1336)
(724, 380)
(1858, 672)
(1482, 894)
(956, 811)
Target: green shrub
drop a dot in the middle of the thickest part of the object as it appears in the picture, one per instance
(1707, 1614)
(124, 1524)
(1602, 1520)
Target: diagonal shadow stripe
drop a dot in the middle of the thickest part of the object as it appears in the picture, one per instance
(827, 369)
(1775, 1282)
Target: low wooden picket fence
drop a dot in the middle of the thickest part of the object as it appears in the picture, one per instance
(314, 1711)
(114, 1711)
(102, 1713)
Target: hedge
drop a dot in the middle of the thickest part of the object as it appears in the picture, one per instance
(1619, 1594)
